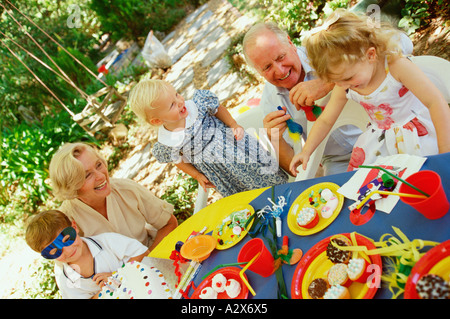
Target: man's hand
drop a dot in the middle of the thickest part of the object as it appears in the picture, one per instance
(275, 124)
(306, 93)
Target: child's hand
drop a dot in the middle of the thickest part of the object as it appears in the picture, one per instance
(203, 181)
(102, 278)
(300, 158)
(238, 132)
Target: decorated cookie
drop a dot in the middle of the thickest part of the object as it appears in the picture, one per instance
(338, 275)
(331, 203)
(336, 255)
(432, 287)
(317, 288)
(357, 269)
(337, 292)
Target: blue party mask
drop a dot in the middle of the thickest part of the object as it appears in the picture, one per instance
(64, 239)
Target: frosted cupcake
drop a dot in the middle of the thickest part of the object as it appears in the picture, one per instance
(307, 217)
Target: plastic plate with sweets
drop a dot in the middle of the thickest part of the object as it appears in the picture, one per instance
(327, 207)
(315, 264)
(231, 229)
(436, 261)
(217, 285)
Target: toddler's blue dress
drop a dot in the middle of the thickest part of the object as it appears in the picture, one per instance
(208, 144)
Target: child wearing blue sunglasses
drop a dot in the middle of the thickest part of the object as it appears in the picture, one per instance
(82, 264)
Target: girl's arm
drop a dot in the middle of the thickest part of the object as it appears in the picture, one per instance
(413, 78)
(190, 169)
(321, 128)
(225, 116)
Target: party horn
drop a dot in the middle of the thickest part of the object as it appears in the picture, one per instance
(396, 177)
(387, 193)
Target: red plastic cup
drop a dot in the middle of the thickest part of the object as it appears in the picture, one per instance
(263, 265)
(433, 207)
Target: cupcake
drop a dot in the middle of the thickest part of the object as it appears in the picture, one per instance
(317, 288)
(357, 270)
(432, 287)
(233, 288)
(307, 217)
(208, 293)
(338, 275)
(336, 255)
(218, 283)
(337, 292)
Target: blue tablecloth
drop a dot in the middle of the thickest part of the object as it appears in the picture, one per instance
(408, 220)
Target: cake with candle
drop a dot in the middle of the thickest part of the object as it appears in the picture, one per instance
(136, 280)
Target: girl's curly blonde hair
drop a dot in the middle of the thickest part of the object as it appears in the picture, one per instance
(347, 40)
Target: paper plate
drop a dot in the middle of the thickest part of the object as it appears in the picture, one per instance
(303, 201)
(315, 264)
(436, 261)
(228, 238)
(229, 273)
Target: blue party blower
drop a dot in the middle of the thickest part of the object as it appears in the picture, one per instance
(295, 130)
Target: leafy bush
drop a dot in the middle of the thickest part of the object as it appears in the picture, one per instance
(180, 195)
(26, 151)
(135, 18)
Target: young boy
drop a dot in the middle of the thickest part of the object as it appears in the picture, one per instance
(82, 264)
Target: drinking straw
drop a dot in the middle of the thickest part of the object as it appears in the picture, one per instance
(396, 177)
(223, 265)
(387, 193)
(241, 274)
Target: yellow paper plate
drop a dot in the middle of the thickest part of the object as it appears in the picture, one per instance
(436, 261)
(228, 238)
(315, 264)
(303, 201)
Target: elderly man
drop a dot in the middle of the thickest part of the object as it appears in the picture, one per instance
(291, 83)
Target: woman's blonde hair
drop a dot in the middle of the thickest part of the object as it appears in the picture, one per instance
(67, 173)
(43, 228)
(347, 40)
(144, 94)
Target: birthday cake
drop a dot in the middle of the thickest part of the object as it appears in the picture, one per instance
(135, 280)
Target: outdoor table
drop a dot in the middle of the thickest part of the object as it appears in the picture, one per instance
(413, 224)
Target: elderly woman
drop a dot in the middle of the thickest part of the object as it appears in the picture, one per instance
(100, 204)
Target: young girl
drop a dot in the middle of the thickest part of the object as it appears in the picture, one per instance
(408, 114)
(203, 140)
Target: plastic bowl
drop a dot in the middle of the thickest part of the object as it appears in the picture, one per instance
(198, 248)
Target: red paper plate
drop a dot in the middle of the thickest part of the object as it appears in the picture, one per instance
(435, 261)
(315, 262)
(229, 273)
